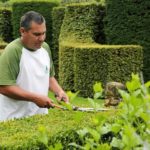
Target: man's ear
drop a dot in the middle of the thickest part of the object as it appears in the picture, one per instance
(22, 31)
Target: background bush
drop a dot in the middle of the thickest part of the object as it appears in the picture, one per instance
(127, 22)
(83, 23)
(80, 25)
(5, 24)
(104, 63)
(82, 61)
(57, 19)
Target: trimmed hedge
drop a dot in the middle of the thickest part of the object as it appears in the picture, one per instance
(104, 63)
(127, 22)
(5, 24)
(66, 2)
(60, 126)
(43, 7)
(57, 19)
(66, 70)
(81, 24)
(82, 62)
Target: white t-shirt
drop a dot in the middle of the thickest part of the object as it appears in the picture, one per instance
(30, 70)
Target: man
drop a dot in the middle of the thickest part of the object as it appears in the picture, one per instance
(27, 72)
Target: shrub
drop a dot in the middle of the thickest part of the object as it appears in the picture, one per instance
(57, 19)
(104, 63)
(128, 129)
(127, 22)
(5, 24)
(59, 125)
(82, 61)
(80, 25)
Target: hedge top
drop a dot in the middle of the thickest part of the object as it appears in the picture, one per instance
(95, 45)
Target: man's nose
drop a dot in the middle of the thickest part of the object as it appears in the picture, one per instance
(42, 38)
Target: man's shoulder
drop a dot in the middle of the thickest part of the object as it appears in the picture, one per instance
(45, 46)
(14, 48)
(14, 45)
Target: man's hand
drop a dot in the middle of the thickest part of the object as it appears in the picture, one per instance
(59, 92)
(62, 96)
(44, 102)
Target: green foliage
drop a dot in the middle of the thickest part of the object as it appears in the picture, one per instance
(82, 62)
(134, 84)
(83, 24)
(98, 90)
(127, 22)
(57, 19)
(5, 24)
(80, 25)
(129, 129)
(66, 71)
(104, 63)
(4, 1)
(57, 127)
(43, 7)
(66, 2)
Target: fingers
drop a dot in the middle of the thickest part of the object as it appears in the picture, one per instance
(44, 102)
(62, 97)
(49, 104)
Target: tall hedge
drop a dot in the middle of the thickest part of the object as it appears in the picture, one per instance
(43, 7)
(57, 19)
(66, 69)
(104, 63)
(127, 22)
(80, 25)
(6, 30)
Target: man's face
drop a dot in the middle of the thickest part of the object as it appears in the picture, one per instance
(34, 37)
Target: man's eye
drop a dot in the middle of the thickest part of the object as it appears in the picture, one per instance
(38, 34)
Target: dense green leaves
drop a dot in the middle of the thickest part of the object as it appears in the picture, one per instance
(127, 22)
(82, 61)
(5, 24)
(57, 19)
(129, 129)
(104, 63)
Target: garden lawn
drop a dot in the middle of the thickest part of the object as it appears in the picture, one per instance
(24, 133)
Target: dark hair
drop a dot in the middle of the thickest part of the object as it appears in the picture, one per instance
(30, 16)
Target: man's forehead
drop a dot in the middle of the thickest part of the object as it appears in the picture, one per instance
(33, 23)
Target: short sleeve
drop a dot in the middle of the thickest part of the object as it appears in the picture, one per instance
(9, 65)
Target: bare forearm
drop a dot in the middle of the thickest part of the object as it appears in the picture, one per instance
(17, 93)
(54, 86)
(60, 93)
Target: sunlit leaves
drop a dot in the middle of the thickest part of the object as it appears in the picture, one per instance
(98, 90)
(134, 84)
